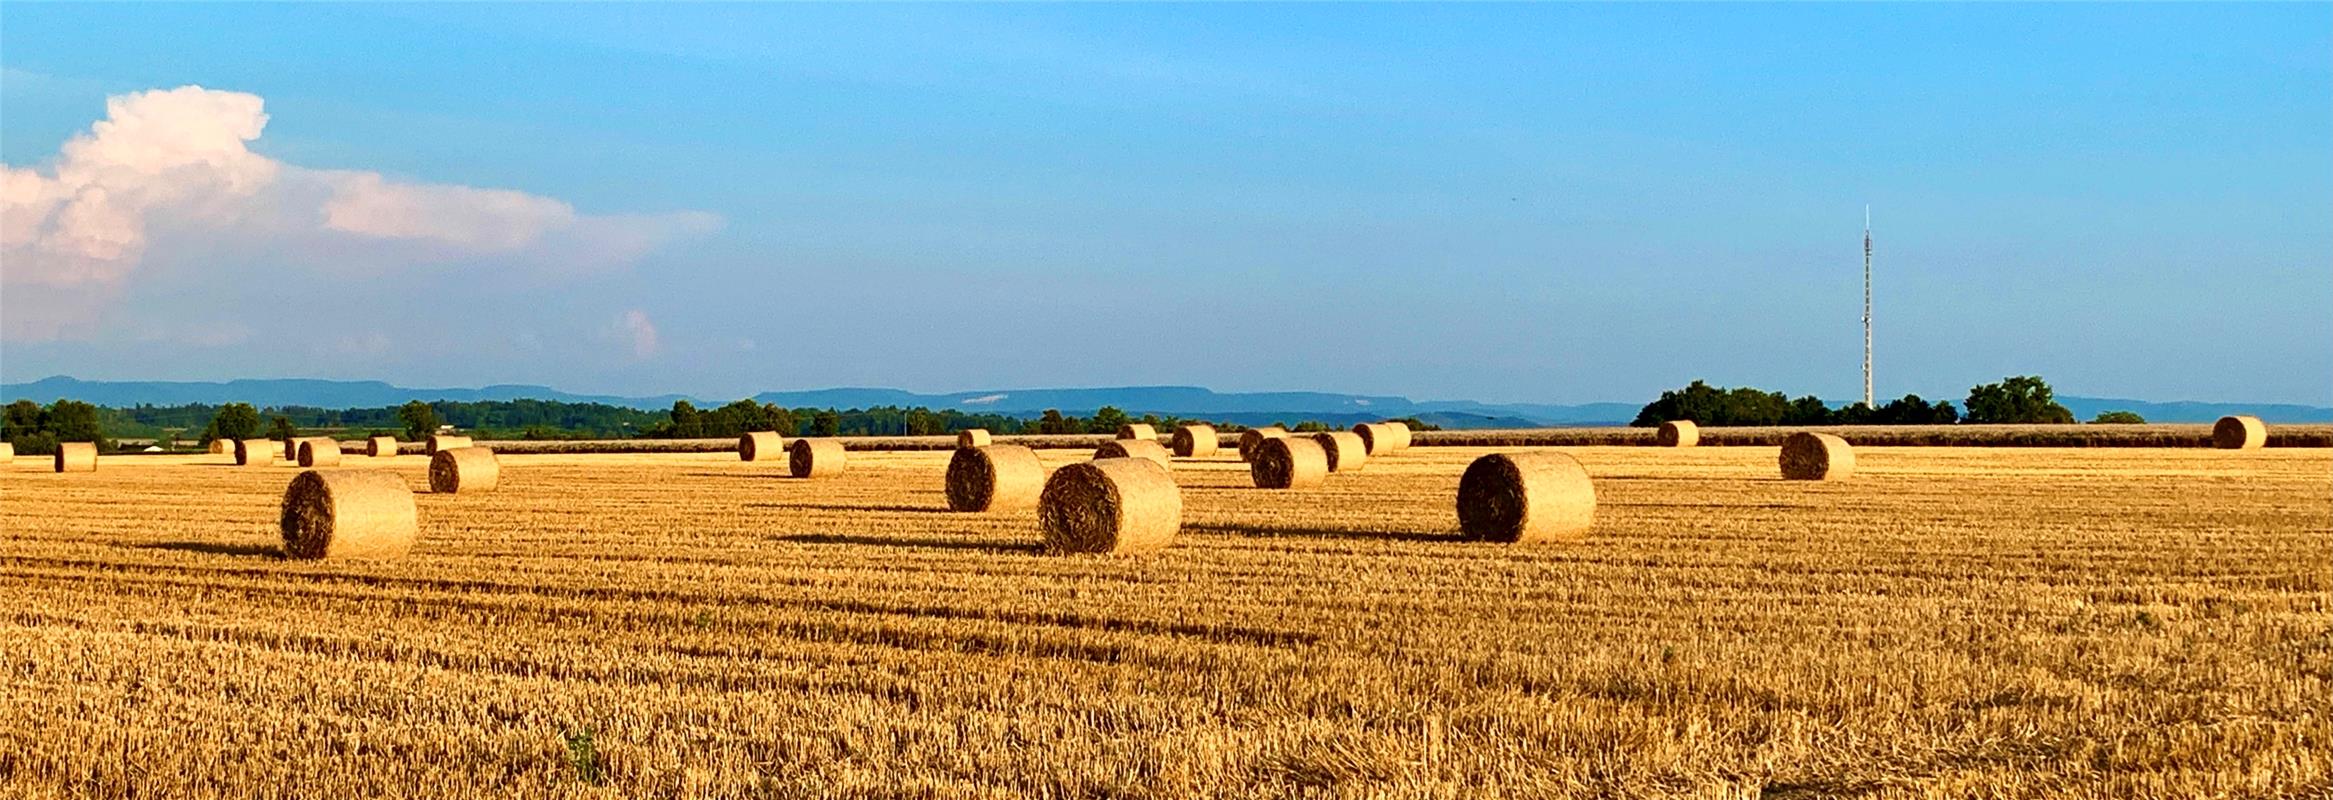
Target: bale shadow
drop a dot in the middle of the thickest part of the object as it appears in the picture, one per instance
(903, 509)
(897, 541)
(1278, 531)
(217, 548)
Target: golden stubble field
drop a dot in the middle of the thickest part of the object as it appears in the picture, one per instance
(1954, 622)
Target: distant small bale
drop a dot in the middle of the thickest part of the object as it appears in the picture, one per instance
(464, 469)
(1538, 496)
(348, 513)
(446, 441)
(381, 446)
(319, 453)
(222, 447)
(1135, 448)
(2239, 433)
(760, 446)
(814, 458)
(1286, 462)
(1196, 441)
(1399, 432)
(1346, 452)
(998, 477)
(1114, 505)
(976, 437)
(7, 453)
(72, 456)
(1248, 439)
(254, 452)
(1382, 438)
(1137, 430)
(1678, 433)
(1816, 457)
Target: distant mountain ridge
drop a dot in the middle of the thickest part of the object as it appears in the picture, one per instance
(1187, 401)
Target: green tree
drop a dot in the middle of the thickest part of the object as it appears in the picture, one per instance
(2023, 399)
(280, 428)
(1106, 420)
(2119, 418)
(827, 422)
(234, 421)
(419, 418)
(1052, 422)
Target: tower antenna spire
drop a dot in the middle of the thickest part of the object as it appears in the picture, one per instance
(1867, 398)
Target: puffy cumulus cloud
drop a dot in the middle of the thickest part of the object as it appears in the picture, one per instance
(635, 328)
(171, 172)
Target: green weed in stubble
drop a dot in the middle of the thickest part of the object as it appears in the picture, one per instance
(583, 755)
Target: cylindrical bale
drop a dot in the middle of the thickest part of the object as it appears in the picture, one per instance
(222, 447)
(1678, 433)
(381, 446)
(254, 452)
(291, 445)
(2239, 433)
(1248, 439)
(76, 457)
(1137, 430)
(1539, 496)
(814, 458)
(1381, 438)
(464, 469)
(760, 446)
(7, 453)
(348, 513)
(1196, 441)
(1345, 451)
(319, 452)
(1816, 457)
(1399, 434)
(1135, 448)
(976, 437)
(1286, 462)
(1115, 505)
(446, 441)
(999, 477)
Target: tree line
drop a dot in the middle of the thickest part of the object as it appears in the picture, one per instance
(2025, 399)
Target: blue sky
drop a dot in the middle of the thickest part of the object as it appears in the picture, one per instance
(1496, 202)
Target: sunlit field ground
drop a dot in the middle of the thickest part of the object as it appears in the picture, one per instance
(1953, 622)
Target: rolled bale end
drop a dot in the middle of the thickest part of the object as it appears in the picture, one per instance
(1289, 463)
(1135, 448)
(760, 446)
(2241, 432)
(1678, 433)
(1137, 430)
(446, 441)
(998, 477)
(254, 452)
(221, 447)
(381, 446)
(72, 456)
(348, 513)
(1816, 457)
(1196, 441)
(319, 453)
(464, 469)
(976, 437)
(1373, 438)
(1526, 497)
(1114, 505)
(814, 458)
(1345, 451)
(1250, 438)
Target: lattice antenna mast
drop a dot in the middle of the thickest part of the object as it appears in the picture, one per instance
(1867, 398)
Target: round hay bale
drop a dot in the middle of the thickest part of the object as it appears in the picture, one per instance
(1286, 462)
(1135, 448)
(976, 437)
(7, 453)
(254, 452)
(1115, 505)
(381, 446)
(1137, 430)
(73, 456)
(348, 513)
(1248, 439)
(319, 453)
(1678, 433)
(760, 446)
(1816, 457)
(1378, 438)
(221, 447)
(1539, 496)
(1196, 441)
(1399, 432)
(2239, 433)
(1345, 451)
(999, 477)
(464, 469)
(814, 458)
(445, 441)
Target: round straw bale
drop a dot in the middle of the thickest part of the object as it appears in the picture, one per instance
(760, 446)
(1137, 430)
(2239, 433)
(814, 458)
(445, 441)
(291, 449)
(381, 446)
(464, 469)
(1196, 441)
(999, 477)
(1248, 439)
(222, 447)
(7, 452)
(1345, 451)
(76, 457)
(1287, 462)
(1377, 438)
(348, 513)
(1399, 432)
(976, 437)
(1135, 448)
(1816, 457)
(1539, 496)
(319, 453)
(254, 452)
(1678, 433)
(1114, 505)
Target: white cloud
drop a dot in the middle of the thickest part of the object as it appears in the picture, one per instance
(174, 168)
(635, 327)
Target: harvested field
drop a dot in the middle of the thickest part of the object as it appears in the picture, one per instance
(1954, 622)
